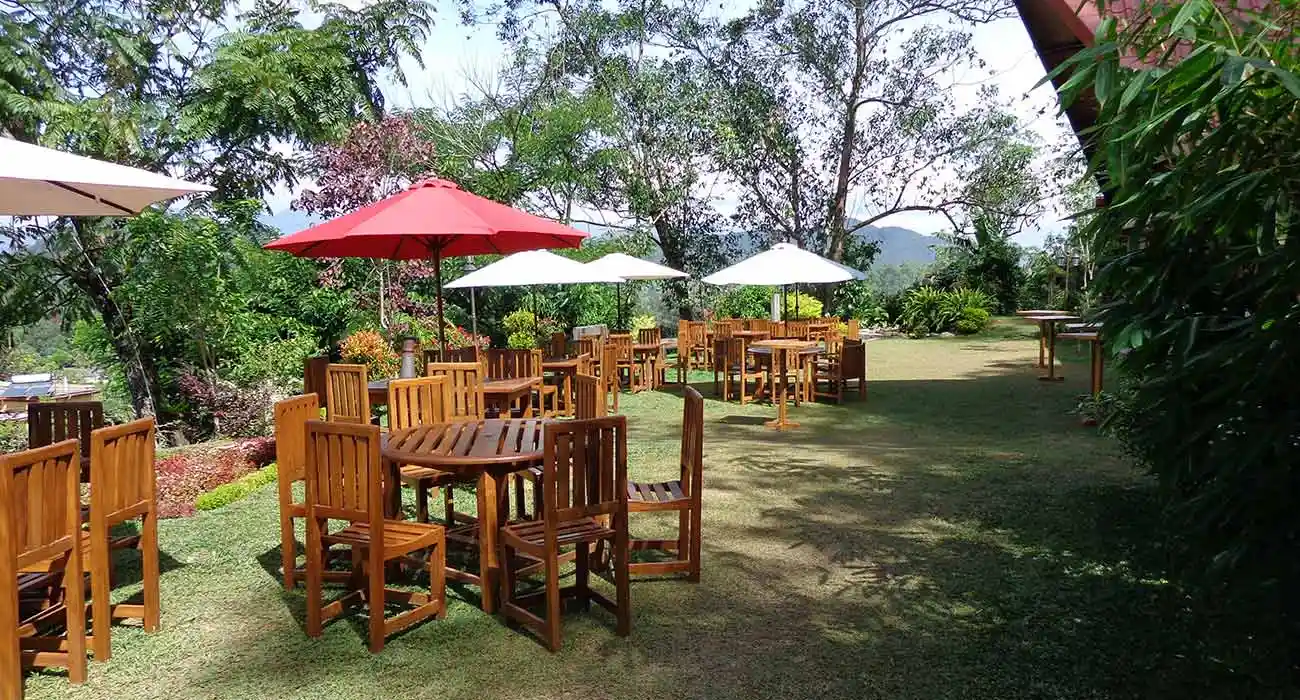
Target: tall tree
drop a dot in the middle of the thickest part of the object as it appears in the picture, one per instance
(844, 108)
(170, 88)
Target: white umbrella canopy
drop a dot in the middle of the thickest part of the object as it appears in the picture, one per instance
(37, 181)
(532, 267)
(629, 268)
(785, 264)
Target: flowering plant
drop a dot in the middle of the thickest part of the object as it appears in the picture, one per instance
(370, 348)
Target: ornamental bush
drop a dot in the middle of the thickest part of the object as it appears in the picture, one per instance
(1198, 245)
(370, 348)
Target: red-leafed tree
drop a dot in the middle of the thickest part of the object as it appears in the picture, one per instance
(375, 160)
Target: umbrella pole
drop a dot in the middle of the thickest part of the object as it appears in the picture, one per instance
(785, 304)
(473, 316)
(618, 304)
(537, 326)
(796, 300)
(437, 276)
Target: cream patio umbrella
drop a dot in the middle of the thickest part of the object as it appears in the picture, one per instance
(630, 269)
(785, 264)
(37, 181)
(532, 268)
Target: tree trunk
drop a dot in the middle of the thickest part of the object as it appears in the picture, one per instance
(137, 365)
(840, 203)
(670, 245)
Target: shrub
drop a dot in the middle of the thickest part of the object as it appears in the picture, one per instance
(966, 298)
(214, 406)
(642, 322)
(928, 310)
(523, 330)
(226, 494)
(187, 473)
(13, 436)
(873, 316)
(369, 348)
(808, 306)
(744, 302)
(972, 320)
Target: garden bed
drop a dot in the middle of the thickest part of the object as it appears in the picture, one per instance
(186, 473)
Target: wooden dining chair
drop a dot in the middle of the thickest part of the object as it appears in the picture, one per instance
(649, 336)
(724, 328)
(465, 383)
(40, 495)
(122, 489)
(681, 495)
(733, 366)
(849, 364)
(798, 329)
(423, 401)
(290, 418)
(559, 346)
(584, 505)
(609, 374)
(625, 360)
(347, 394)
(345, 482)
(854, 330)
(591, 397)
(49, 422)
(313, 377)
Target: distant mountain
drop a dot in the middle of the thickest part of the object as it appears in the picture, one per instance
(289, 221)
(900, 245)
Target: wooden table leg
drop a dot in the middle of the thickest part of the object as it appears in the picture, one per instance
(781, 385)
(1042, 343)
(1096, 367)
(1051, 375)
(488, 564)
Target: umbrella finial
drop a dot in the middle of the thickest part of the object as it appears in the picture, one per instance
(433, 182)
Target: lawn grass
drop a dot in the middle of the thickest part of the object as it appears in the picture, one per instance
(956, 535)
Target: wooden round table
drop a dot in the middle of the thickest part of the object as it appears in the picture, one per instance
(783, 354)
(487, 450)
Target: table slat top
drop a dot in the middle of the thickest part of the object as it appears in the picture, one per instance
(467, 443)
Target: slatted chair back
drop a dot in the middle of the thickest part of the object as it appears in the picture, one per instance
(465, 385)
(470, 353)
(853, 361)
(122, 478)
(683, 332)
(347, 394)
(313, 377)
(698, 333)
(591, 345)
(730, 353)
(777, 328)
(591, 397)
(343, 476)
(585, 364)
(40, 497)
(584, 470)
(49, 422)
(796, 329)
(622, 344)
(608, 364)
(854, 329)
(419, 401)
(559, 345)
(291, 416)
(761, 325)
(649, 336)
(40, 493)
(724, 329)
(692, 455)
(834, 345)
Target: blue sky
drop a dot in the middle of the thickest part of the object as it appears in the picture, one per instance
(455, 56)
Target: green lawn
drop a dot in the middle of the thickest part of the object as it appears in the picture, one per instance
(956, 535)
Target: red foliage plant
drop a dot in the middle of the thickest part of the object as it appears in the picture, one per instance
(189, 472)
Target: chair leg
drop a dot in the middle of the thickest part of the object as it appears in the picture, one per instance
(582, 571)
(696, 539)
(519, 497)
(507, 594)
(74, 593)
(150, 571)
(422, 501)
(622, 575)
(375, 595)
(101, 616)
(438, 577)
(315, 572)
(553, 641)
(449, 505)
(288, 549)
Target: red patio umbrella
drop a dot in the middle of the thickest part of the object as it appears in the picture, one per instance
(430, 219)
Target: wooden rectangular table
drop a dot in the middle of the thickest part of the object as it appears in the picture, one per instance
(567, 369)
(1047, 332)
(782, 351)
(1093, 338)
(1042, 335)
(505, 393)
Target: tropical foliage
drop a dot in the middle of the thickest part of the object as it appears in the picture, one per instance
(1197, 283)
